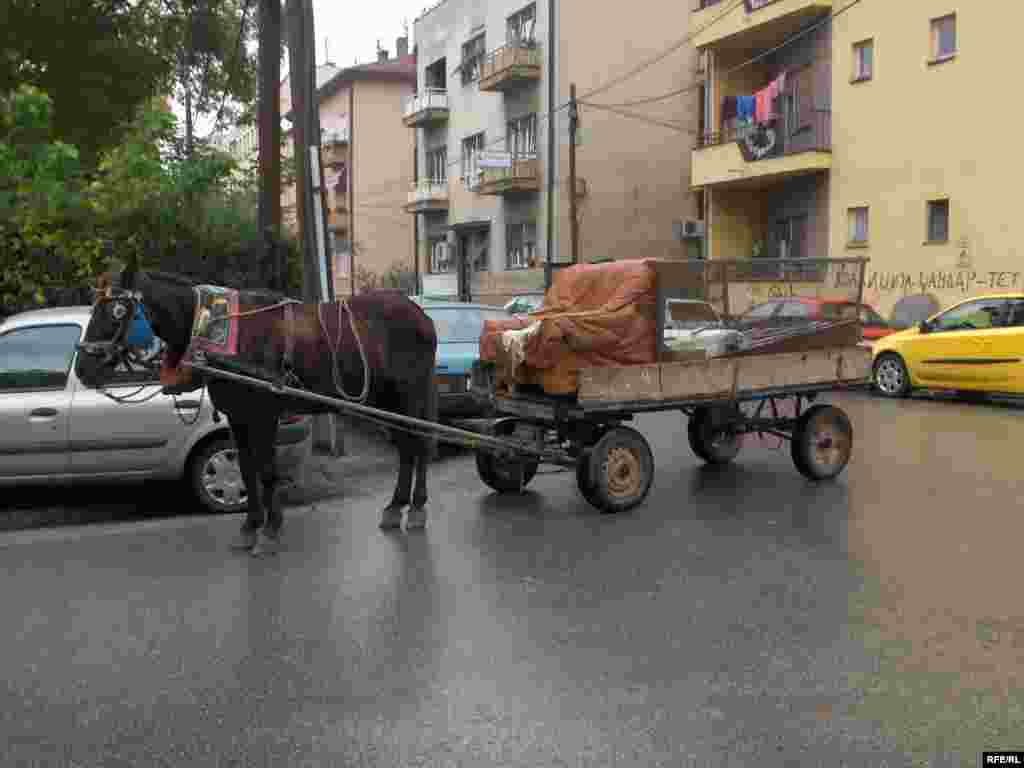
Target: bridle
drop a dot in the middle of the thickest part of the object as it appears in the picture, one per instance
(117, 351)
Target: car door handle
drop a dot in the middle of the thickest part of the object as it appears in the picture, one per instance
(43, 412)
(187, 405)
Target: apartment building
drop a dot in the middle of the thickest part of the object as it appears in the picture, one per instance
(492, 192)
(479, 196)
(368, 165)
(865, 141)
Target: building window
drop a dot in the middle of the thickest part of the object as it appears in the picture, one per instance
(437, 165)
(522, 245)
(863, 60)
(440, 256)
(858, 225)
(471, 147)
(521, 137)
(944, 37)
(522, 25)
(472, 57)
(436, 76)
(938, 221)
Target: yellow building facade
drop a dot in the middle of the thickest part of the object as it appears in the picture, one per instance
(878, 144)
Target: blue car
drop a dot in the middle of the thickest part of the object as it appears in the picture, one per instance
(458, 328)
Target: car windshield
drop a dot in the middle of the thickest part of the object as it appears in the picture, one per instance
(457, 324)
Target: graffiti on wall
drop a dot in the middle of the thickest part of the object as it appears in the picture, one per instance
(965, 281)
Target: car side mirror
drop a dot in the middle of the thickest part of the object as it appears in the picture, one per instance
(924, 327)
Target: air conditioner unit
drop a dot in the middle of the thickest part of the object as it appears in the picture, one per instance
(693, 229)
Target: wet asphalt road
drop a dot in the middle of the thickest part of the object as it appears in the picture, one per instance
(741, 617)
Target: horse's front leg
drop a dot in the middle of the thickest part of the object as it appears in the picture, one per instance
(254, 517)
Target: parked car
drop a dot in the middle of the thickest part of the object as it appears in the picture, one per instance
(800, 308)
(53, 428)
(975, 345)
(458, 328)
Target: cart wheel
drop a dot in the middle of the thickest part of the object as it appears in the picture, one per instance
(503, 475)
(711, 445)
(585, 483)
(822, 442)
(620, 469)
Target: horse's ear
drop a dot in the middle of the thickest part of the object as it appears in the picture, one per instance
(129, 272)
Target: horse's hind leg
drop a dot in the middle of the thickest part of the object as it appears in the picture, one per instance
(391, 516)
(424, 449)
(418, 510)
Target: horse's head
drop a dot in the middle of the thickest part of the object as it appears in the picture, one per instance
(132, 311)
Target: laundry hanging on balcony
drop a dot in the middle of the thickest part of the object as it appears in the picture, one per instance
(765, 99)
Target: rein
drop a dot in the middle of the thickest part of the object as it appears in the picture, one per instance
(334, 347)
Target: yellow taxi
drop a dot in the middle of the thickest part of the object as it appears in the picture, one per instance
(975, 345)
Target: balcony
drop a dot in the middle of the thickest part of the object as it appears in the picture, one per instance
(427, 106)
(764, 153)
(502, 173)
(428, 196)
(753, 23)
(334, 147)
(510, 66)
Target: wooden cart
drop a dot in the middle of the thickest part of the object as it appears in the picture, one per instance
(724, 397)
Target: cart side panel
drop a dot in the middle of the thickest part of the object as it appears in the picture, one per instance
(725, 377)
(620, 383)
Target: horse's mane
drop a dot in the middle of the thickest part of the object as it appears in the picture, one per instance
(170, 277)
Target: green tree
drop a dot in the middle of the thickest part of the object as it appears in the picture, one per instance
(97, 60)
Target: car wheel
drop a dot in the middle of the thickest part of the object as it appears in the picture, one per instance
(216, 477)
(890, 376)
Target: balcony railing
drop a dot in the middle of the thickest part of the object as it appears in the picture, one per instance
(768, 21)
(500, 173)
(786, 135)
(428, 195)
(510, 65)
(428, 105)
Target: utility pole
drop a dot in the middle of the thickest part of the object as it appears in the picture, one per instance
(573, 222)
(352, 185)
(268, 121)
(312, 214)
(549, 59)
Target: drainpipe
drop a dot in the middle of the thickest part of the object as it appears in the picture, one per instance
(551, 145)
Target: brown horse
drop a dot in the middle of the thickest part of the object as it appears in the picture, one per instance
(380, 344)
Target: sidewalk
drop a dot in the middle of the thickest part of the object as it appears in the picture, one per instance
(367, 452)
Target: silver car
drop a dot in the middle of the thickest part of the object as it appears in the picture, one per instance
(53, 428)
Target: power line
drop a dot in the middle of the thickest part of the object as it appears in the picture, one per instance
(764, 54)
(661, 56)
(642, 118)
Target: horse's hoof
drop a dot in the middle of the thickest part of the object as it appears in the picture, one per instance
(391, 518)
(417, 519)
(246, 539)
(266, 545)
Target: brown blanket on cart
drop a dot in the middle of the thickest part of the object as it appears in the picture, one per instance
(593, 315)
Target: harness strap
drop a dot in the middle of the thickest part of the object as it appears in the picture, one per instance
(289, 336)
